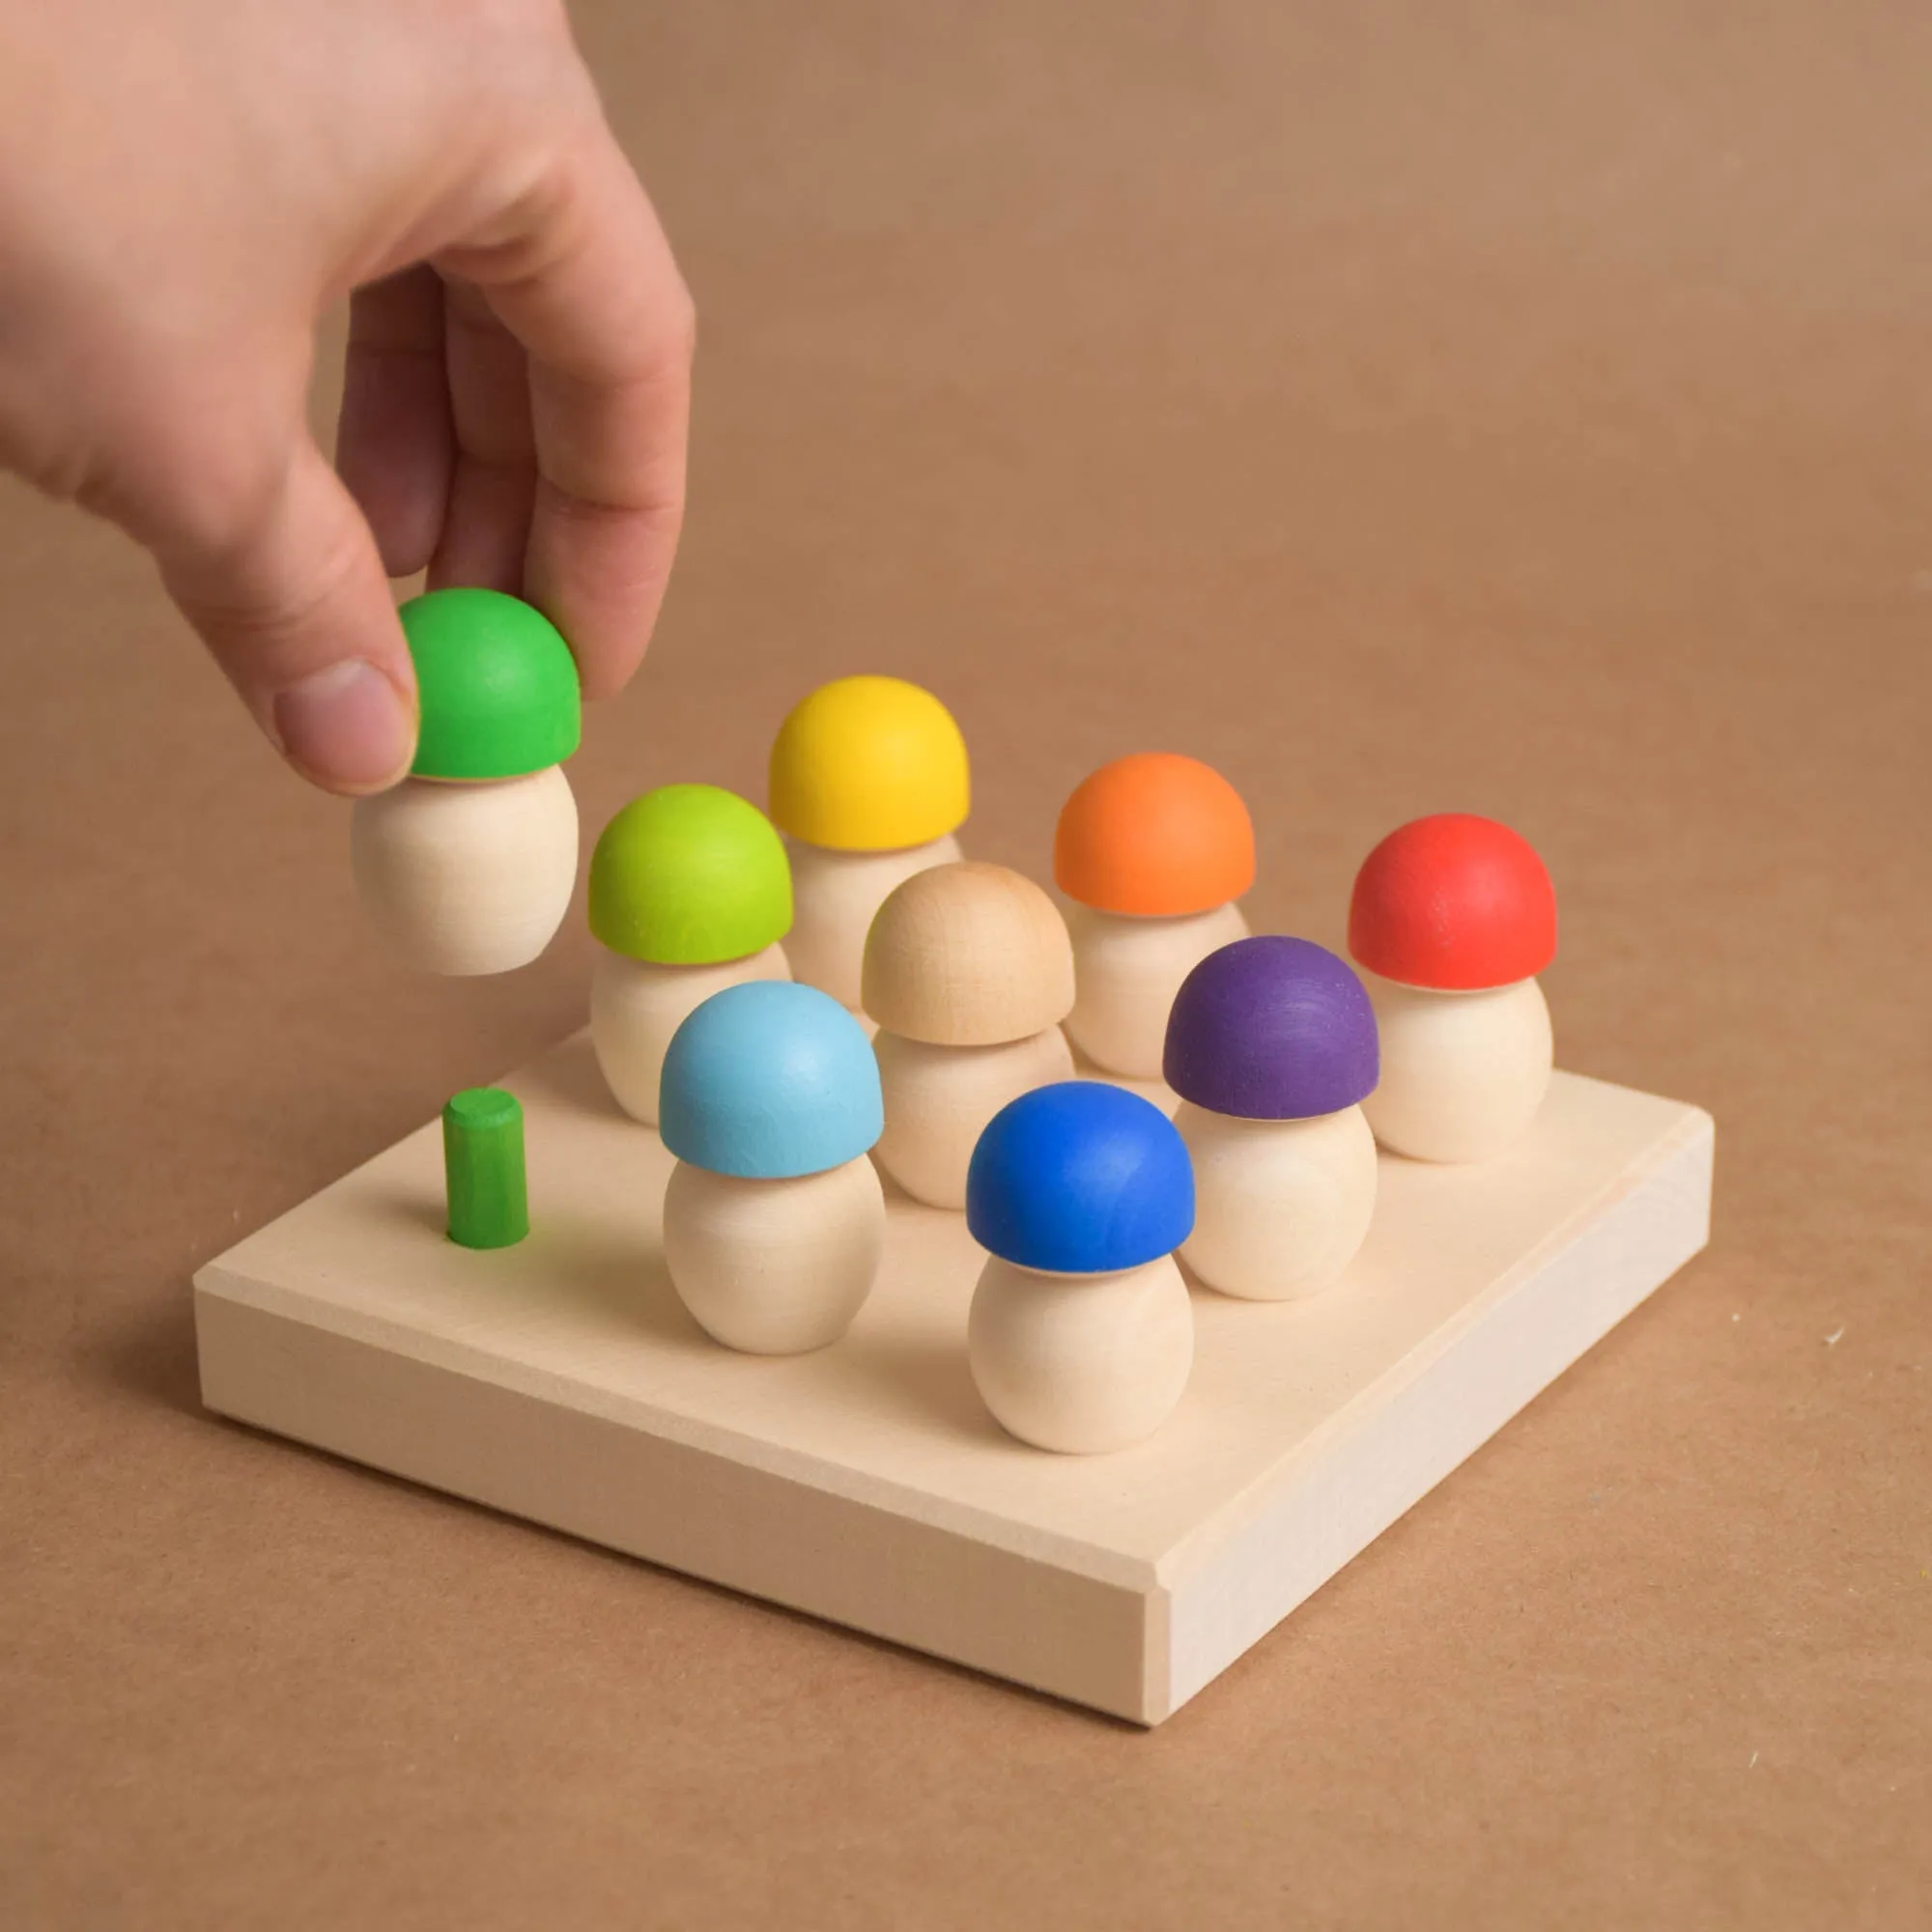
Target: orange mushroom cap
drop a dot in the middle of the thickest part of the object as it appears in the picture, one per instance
(1453, 903)
(1155, 834)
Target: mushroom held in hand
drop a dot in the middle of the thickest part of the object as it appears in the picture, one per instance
(773, 1219)
(467, 866)
(1452, 919)
(1154, 848)
(869, 782)
(968, 972)
(1271, 1047)
(689, 893)
(1081, 1335)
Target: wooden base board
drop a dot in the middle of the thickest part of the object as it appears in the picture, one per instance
(561, 1380)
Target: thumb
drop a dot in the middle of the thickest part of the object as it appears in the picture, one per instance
(297, 612)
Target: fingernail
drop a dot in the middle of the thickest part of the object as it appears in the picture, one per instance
(346, 727)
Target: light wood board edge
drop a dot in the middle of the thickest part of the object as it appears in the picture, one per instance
(1232, 1584)
(877, 1570)
(1137, 1644)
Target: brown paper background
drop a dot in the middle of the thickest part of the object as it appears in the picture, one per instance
(1507, 406)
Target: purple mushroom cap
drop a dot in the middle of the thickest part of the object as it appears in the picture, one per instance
(1272, 1029)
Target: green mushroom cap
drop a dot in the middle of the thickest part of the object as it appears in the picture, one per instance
(498, 686)
(689, 875)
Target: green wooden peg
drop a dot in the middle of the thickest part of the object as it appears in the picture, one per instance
(483, 1168)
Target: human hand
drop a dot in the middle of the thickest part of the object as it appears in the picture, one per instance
(186, 185)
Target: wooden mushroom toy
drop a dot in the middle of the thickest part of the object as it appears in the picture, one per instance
(1453, 917)
(1081, 1335)
(467, 866)
(1154, 848)
(689, 893)
(968, 972)
(869, 782)
(1271, 1047)
(773, 1219)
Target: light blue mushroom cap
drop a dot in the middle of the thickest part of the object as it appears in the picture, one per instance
(770, 1080)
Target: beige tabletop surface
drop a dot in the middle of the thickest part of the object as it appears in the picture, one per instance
(1518, 409)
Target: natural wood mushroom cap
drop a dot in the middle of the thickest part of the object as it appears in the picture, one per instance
(968, 955)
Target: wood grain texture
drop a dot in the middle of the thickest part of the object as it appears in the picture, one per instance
(563, 1380)
(1081, 1364)
(1125, 974)
(835, 897)
(1462, 1074)
(968, 955)
(939, 1099)
(774, 1267)
(467, 879)
(636, 1005)
(1281, 1207)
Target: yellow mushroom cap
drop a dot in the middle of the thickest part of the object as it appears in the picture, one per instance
(868, 764)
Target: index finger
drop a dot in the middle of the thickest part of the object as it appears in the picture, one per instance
(583, 277)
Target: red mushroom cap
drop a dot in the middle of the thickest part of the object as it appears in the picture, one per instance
(1453, 903)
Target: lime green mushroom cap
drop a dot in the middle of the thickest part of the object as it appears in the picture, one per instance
(689, 875)
(496, 683)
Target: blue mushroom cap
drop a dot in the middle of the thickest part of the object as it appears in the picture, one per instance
(1080, 1177)
(769, 1080)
